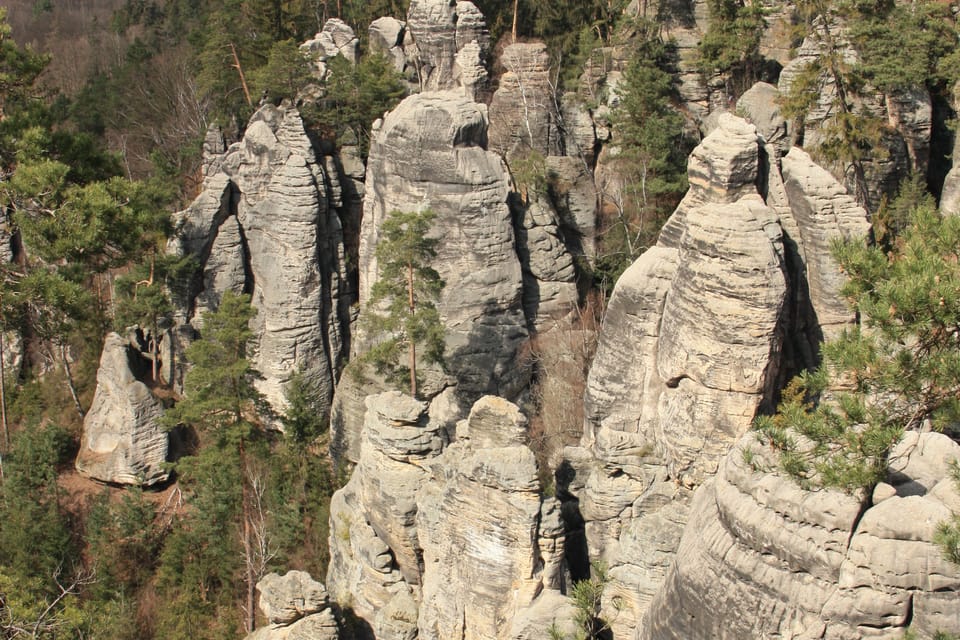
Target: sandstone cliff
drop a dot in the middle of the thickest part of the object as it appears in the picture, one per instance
(265, 225)
(690, 350)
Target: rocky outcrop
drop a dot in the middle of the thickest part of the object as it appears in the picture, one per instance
(265, 224)
(336, 38)
(523, 108)
(904, 144)
(430, 153)
(823, 211)
(296, 608)
(446, 541)
(549, 274)
(122, 441)
(692, 347)
(763, 558)
(386, 36)
(375, 550)
(491, 543)
(450, 45)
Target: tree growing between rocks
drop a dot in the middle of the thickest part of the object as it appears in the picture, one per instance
(401, 312)
(221, 403)
(899, 370)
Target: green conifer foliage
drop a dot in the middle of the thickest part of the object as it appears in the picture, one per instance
(402, 312)
(896, 371)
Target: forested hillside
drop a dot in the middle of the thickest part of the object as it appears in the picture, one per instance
(468, 309)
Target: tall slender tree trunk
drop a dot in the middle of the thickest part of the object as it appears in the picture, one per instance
(70, 384)
(513, 31)
(3, 401)
(250, 619)
(413, 345)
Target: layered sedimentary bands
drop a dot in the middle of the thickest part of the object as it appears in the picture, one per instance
(449, 527)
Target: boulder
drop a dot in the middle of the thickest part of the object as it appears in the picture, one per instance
(336, 38)
(386, 36)
(296, 608)
(122, 440)
(762, 557)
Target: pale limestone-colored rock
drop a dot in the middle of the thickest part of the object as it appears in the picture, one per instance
(451, 45)
(429, 154)
(296, 608)
(659, 416)
(762, 557)
(225, 269)
(386, 36)
(375, 551)
(905, 141)
(523, 108)
(823, 211)
(575, 197)
(123, 441)
(760, 106)
(286, 599)
(398, 619)
(549, 275)
(336, 38)
(263, 224)
(480, 577)
(721, 169)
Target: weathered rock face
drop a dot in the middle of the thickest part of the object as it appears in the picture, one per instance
(823, 211)
(763, 558)
(950, 197)
(386, 37)
(296, 608)
(264, 224)
(445, 542)
(906, 142)
(523, 108)
(336, 38)
(491, 544)
(692, 347)
(450, 45)
(549, 275)
(760, 106)
(375, 552)
(122, 441)
(430, 154)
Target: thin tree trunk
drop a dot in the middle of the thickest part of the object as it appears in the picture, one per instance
(70, 383)
(250, 620)
(243, 80)
(513, 32)
(413, 346)
(3, 401)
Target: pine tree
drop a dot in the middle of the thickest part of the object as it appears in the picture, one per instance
(901, 369)
(221, 402)
(401, 311)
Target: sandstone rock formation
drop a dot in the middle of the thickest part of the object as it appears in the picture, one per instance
(375, 551)
(763, 558)
(386, 36)
(450, 45)
(491, 543)
(905, 143)
(264, 224)
(523, 108)
(691, 348)
(122, 441)
(446, 541)
(430, 153)
(336, 38)
(296, 608)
